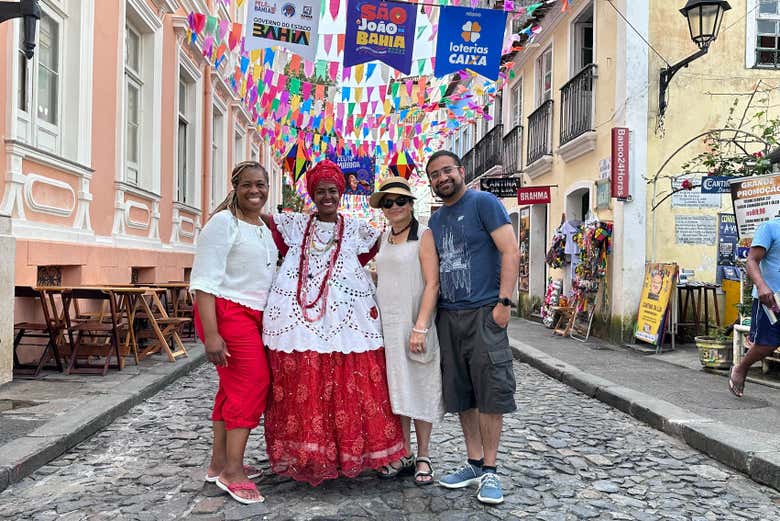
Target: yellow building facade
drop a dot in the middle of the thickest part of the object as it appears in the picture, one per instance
(593, 70)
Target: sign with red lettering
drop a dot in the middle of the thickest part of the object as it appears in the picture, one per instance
(620, 163)
(533, 195)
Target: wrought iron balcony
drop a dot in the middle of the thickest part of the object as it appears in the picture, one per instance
(513, 142)
(485, 154)
(577, 104)
(540, 132)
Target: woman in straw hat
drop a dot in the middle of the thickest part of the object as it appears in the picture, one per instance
(407, 269)
(329, 414)
(231, 288)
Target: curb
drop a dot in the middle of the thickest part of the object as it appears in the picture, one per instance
(22, 456)
(729, 445)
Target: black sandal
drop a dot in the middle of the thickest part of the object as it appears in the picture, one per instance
(421, 473)
(389, 471)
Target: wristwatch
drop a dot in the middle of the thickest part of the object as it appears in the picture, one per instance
(505, 302)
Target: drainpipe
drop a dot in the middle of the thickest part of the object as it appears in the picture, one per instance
(208, 138)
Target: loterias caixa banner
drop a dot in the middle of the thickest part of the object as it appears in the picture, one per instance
(293, 24)
(382, 31)
(470, 39)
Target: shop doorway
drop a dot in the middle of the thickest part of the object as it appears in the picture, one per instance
(579, 202)
(537, 249)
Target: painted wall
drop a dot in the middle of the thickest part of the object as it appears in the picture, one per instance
(700, 98)
(578, 173)
(73, 209)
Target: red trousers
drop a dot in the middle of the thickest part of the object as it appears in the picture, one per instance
(244, 383)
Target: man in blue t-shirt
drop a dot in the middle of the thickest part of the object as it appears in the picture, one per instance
(478, 268)
(763, 268)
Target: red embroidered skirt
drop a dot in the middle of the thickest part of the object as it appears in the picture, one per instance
(329, 415)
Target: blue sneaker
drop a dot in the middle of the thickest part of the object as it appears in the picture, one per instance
(490, 489)
(466, 475)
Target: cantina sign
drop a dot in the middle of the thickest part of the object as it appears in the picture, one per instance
(499, 186)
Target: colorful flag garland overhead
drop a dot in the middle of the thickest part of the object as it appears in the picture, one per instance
(293, 99)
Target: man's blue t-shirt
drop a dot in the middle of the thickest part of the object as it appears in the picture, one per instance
(768, 237)
(469, 262)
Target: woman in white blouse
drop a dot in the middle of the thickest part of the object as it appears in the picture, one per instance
(234, 266)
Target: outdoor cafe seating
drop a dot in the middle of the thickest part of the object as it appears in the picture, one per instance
(89, 330)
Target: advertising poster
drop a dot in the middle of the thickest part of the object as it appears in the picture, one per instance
(756, 199)
(469, 39)
(660, 281)
(382, 31)
(727, 244)
(359, 173)
(293, 24)
(524, 236)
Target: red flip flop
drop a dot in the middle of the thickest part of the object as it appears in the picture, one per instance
(241, 485)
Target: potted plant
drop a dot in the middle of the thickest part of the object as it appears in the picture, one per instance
(716, 350)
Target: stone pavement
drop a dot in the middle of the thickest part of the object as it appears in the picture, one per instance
(564, 456)
(678, 398)
(43, 417)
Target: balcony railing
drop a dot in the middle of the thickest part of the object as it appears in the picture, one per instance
(513, 142)
(577, 104)
(540, 132)
(485, 154)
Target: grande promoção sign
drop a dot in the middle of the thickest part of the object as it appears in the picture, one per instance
(756, 199)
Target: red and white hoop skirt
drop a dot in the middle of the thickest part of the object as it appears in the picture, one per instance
(330, 415)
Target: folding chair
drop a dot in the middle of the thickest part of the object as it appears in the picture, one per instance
(37, 335)
(162, 328)
(97, 336)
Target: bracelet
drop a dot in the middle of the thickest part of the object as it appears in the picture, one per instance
(421, 331)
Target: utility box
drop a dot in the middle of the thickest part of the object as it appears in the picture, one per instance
(7, 280)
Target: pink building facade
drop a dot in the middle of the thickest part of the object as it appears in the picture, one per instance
(117, 141)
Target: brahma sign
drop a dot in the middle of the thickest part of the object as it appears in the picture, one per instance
(533, 195)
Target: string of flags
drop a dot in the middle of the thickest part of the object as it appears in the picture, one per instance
(362, 77)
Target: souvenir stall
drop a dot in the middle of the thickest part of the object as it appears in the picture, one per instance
(572, 314)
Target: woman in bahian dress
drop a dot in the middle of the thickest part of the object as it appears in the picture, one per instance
(330, 413)
(407, 269)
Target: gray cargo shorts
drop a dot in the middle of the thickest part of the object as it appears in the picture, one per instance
(476, 361)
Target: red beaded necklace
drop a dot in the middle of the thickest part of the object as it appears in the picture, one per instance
(321, 300)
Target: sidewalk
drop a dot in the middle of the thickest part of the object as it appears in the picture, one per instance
(42, 418)
(668, 392)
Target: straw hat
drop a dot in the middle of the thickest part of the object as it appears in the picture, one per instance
(391, 185)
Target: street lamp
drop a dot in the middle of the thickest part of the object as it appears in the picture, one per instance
(704, 19)
(31, 13)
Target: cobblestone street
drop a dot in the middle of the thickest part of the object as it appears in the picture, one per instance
(564, 457)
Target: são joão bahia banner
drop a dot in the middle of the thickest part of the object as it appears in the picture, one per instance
(293, 24)
(470, 39)
(382, 31)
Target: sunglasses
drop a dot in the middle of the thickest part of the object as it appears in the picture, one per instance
(398, 201)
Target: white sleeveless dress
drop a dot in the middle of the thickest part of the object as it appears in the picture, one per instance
(415, 388)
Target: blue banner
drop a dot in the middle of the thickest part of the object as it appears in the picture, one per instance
(382, 31)
(470, 39)
(359, 173)
(715, 184)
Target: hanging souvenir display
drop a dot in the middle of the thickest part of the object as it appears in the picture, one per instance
(594, 239)
(551, 299)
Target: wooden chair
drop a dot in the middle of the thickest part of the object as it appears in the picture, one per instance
(163, 331)
(38, 335)
(184, 309)
(98, 336)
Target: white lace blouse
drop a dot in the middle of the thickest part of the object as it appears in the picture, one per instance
(351, 323)
(234, 260)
